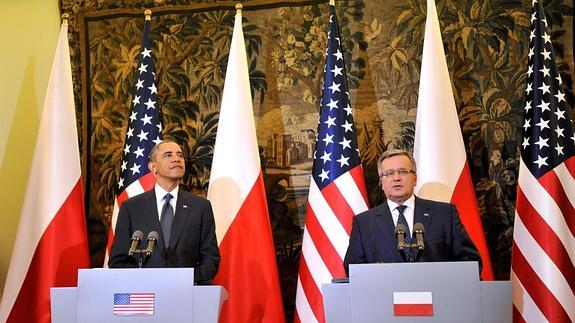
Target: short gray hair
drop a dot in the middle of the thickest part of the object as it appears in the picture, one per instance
(157, 146)
(395, 152)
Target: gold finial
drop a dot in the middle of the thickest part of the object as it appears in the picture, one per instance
(65, 17)
(332, 3)
(239, 8)
(148, 14)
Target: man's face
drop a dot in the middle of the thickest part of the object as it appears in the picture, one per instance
(398, 186)
(168, 162)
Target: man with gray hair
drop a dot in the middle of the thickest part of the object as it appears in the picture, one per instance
(185, 223)
(373, 235)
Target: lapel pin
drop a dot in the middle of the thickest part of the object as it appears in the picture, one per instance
(185, 206)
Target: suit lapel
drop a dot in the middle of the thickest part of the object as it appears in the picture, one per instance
(385, 230)
(183, 212)
(150, 213)
(422, 213)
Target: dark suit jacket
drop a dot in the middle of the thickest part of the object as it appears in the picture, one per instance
(372, 238)
(193, 239)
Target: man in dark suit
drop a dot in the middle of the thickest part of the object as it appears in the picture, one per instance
(185, 222)
(373, 236)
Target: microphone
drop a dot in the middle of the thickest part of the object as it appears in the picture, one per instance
(400, 236)
(136, 238)
(419, 231)
(152, 239)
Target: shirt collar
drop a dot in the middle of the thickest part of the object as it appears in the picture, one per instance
(161, 192)
(410, 203)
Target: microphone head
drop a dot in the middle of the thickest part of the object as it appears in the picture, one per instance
(399, 228)
(153, 235)
(137, 235)
(418, 227)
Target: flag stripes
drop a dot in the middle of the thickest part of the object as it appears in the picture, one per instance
(304, 311)
(549, 242)
(337, 188)
(144, 131)
(51, 242)
(537, 289)
(248, 268)
(543, 253)
(323, 248)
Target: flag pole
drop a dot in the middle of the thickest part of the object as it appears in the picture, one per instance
(65, 17)
(148, 14)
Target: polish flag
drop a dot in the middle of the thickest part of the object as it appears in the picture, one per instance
(442, 168)
(248, 268)
(51, 243)
(412, 304)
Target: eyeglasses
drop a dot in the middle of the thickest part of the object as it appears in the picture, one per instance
(401, 171)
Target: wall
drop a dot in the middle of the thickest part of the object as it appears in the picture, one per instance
(29, 32)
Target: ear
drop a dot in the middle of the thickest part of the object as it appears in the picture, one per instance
(152, 167)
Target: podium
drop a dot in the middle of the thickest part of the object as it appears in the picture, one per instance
(408, 292)
(136, 295)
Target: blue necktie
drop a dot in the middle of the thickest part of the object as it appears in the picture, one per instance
(401, 219)
(167, 219)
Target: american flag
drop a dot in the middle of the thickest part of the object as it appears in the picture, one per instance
(543, 259)
(143, 133)
(134, 303)
(337, 187)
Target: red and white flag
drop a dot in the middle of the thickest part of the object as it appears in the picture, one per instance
(412, 304)
(248, 267)
(442, 168)
(336, 190)
(543, 254)
(51, 243)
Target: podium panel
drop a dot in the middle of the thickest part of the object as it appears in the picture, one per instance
(417, 292)
(373, 287)
(171, 294)
(137, 295)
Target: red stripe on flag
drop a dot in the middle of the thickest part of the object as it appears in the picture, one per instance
(248, 266)
(147, 181)
(323, 245)
(537, 290)
(339, 205)
(122, 197)
(545, 237)
(553, 186)
(517, 318)
(62, 249)
(413, 309)
(357, 174)
(296, 318)
(464, 198)
(570, 164)
(312, 293)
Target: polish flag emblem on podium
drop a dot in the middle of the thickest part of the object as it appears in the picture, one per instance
(412, 304)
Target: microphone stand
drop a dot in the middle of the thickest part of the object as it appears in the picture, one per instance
(141, 256)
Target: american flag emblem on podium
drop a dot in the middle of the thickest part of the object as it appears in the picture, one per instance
(134, 303)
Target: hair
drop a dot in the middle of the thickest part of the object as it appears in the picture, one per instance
(395, 152)
(157, 146)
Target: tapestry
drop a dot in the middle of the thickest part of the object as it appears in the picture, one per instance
(486, 44)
